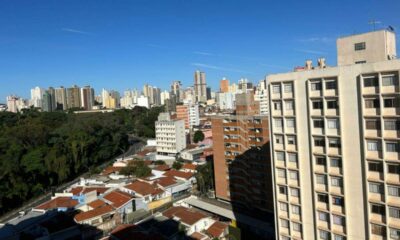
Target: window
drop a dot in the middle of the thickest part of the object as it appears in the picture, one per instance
(294, 192)
(378, 209)
(289, 105)
(280, 156)
(338, 237)
(321, 179)
(373, 124)
(360, 62)
(279, 139)
(371, 103)
(296, 227)
(316, 86)
(284, 223)
(321, 161)
(373, 145)
(371, 81)
(338, 201)
(323, 234)
(276, 88)
(288, 87)
(375, 188)
(283, 207)
(317, 105)
(282, 190)
(392, 124)
(390, 80)
(292, 157)
(319, 142)
(394, 212)
(336, 162)
(323, 216)
(394, 191)
(333, 123)
(291, 140)
(323, 198)
(334, 143)
(359, 46)
(293, 175)
(389, 103)
(375, 167)
(330, 85)
(394, 233)
(338, 220)
(394, 168)
(290, 123)
(378, 229)
(336, 181)
(277, 106)
(278, 123)
(392, 147)
(318, 123)
(281, 173)
(332, 104)
(295, 209)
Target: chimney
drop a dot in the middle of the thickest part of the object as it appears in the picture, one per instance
(308, 64)
(321, 63)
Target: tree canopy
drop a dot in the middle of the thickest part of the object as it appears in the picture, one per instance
(198, 136)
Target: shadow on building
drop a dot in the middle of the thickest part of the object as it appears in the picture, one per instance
(251, 195)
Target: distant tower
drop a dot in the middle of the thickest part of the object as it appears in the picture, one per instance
(224, 85)
(200, 87)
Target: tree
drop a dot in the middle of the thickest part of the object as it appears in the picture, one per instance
(198, 136)
(177, 165)
(205, 177)
(159, 162)
(129, 170)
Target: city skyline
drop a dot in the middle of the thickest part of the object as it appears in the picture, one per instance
(157, 43)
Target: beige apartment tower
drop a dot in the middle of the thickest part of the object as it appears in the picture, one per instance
(335, 135)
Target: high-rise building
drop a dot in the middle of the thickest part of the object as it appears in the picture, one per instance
(224, 85)
(336, 146)
(200, 87)
(189, 113)
(242, 164)
(244, 85)
(52, 93)
(170, 135)
(164, 97)
(182, 113)
(12, 105)
(36, 97)
(261, 95)
(61, 98)
(143, 101)
(87, 98)
(73, 97)
(110, 99)
(176, 90)
(47, 102)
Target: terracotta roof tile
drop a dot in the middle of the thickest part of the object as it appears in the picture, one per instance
(198, 236)
(96, 203)
(118, 198)
(163, 167)
(111, 169)
(179, 174)
(185, 215)
(83, 190)
(94, 213)
(142, 188)
(166, 181)
(59, 202)
(189, 166)
(216, 229)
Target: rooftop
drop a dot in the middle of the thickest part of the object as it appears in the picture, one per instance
(142, 188)
(94, 213)
(185, 215)
(118, 198)
(179, 174)
(83, 190)
(59, 202)
(217, 229)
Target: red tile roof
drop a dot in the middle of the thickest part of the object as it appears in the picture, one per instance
(189, 166)
(83, 190)
(97, 212)
(198, 236)
(59, 202)
(166, 181)
(217, 229)
(163, 167)
(185, 215)
(96, 203)
(118, 198)
(111, 169)
(179, 174)
(142, 188)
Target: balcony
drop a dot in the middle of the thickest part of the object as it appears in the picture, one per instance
(372, 111)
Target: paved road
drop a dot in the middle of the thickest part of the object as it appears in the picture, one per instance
(135, 147)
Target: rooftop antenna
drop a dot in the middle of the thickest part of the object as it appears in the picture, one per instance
(373, 22)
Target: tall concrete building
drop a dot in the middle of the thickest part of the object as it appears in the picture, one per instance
(335, 144)
(37, 96)
(47, 102)
(61, 98)
(176, 91)
(73, 97)
(261, 95)
(200, 86)
(87, 97)
(110, 99)
(224, 85)
(242, 164)
(170, 135)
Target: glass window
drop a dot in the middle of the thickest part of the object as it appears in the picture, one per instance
(373, 124)
(375, 188)
(319, 142)
(284, 223)
(280, 156)
(392, 147)
(296, 209)
(378, 209)
(281, 173)
(283, 206)
(316, 86)
(394, 233)
(290, 123)
(323, 234)
(389, 80)
(291, 140)
(317, 104)
(371, 103)
(321, 179)
(323, 216)
(323, 198)
(332, 104)
(334, 143)
(321, 161)
(338, 237)
(330, 85)
(394, 212)
(288, 87)
(338, 201)
(278, 139)
(296, 227)
(338, 220)
(336, 181)
(282, 190)
(394, 191)
(371, 81)
(289, 105)
(293, 175)
(292, 157)
(372, 145)
(394, 168)
(294, 192)
(318, 123)
(336, 162)
(378, 229)
(389, 103)
(333, 123)
(375, 167)
(278, 123)
(276, 88)
(392, 124)
(277, 106)
(359, 46)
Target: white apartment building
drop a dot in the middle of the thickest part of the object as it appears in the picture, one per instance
(261, 95)
(194, 116)
(143, 101)
(170, 135)
(335, 135)
(226, 101)
(37, 97)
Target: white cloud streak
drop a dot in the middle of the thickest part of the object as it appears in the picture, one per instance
(71, 30)
(203, 65)
(310, 51)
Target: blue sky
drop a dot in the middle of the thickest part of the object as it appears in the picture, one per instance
(125, 44)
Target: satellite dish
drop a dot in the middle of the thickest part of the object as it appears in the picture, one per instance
(390, 28)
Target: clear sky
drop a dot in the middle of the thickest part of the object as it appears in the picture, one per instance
(124, 44)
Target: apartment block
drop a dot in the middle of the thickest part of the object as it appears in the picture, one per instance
(335, 134)
(242, 166)
(170, 135)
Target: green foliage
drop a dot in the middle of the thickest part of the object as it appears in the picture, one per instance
(198, 136)
(39, 150)
(159, 162)
(136, 168)
(177, 165)
(205, 177)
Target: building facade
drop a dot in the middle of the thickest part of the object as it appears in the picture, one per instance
(335, 147)
(200, 86)
(170, 135)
